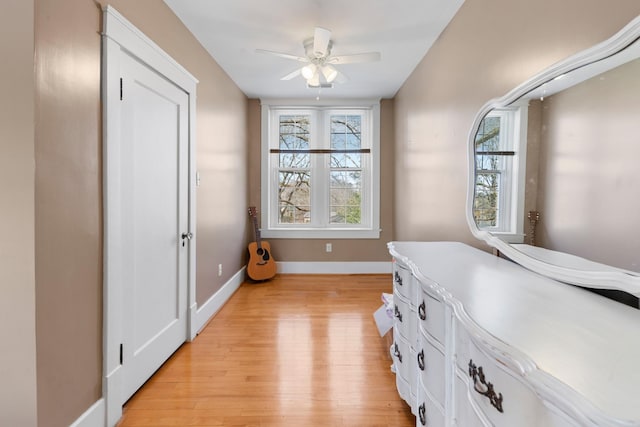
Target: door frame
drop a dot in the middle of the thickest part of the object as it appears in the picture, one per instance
(119, 36)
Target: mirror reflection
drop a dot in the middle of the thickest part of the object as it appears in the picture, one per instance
(498, 143)
(588, 182)
(558, 167)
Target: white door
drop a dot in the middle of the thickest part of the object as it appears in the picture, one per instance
(154, 217)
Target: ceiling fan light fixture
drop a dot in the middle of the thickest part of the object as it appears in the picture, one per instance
(314, 80)
(308, 71)
(330, 73)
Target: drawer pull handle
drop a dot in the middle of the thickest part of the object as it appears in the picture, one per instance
(396, 352)
(481, 386)
(422, 311)
(422, 414)
(421, 360)
(398, 279)
(397, 313)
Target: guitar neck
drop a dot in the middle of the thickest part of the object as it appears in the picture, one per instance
(257, 231)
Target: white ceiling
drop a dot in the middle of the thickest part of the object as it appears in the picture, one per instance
(231, 30)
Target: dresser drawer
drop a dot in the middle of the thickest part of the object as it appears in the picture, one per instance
(406, 381)
(428, 413)
(401, 354)
(404, 391)
(403, 281)
(431, 367)
(406, 319)
(496, 391)
(431, 313)
(467, 412)
(463, 407)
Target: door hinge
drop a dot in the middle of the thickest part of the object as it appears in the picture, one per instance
(120, 88)
(121, 353)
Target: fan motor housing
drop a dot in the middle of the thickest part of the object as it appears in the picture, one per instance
(308, 49)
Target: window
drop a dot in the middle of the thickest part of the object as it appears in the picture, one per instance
(499, 148)
(321, 166)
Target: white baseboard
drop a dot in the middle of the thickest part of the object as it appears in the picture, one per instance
(92, 417)
(215, 303)
(334, 267)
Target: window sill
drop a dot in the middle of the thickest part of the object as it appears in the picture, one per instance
(323, 233)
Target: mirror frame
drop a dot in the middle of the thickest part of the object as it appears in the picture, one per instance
(581, 271)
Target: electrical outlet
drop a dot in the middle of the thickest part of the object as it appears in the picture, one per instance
(219, 270)
(328, 248)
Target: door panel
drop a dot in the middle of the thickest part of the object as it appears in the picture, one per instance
(154, 211)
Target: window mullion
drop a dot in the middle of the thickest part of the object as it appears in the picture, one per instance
(322, 174)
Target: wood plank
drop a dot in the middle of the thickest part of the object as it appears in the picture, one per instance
(298, 350)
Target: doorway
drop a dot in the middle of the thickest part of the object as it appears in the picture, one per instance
(148, 114)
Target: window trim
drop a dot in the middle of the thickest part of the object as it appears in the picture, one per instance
(335, 231)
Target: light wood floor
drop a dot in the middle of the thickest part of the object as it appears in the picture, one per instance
(299, 350)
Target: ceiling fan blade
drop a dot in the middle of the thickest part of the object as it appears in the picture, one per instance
(292, 75)
(355, 58)
(321, 39)
(283, 55)
(341, 78)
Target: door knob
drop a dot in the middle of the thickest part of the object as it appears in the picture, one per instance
(187, 236)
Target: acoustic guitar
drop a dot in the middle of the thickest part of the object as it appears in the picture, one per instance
(261, 264)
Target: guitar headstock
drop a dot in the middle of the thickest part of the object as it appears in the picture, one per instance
(252, 211)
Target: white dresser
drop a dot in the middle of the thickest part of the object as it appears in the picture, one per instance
(480, 341)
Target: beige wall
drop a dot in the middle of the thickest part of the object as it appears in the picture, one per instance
(17, 251)
(344, 250)
(488, 48)
(68, 210)
(68, 201)
(589, 181)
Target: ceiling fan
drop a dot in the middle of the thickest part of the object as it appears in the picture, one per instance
(320, 70)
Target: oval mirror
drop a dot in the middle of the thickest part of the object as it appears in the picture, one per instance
(553, 178)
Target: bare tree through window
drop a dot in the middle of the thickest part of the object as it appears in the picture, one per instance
(345, 169)
(294, 189)
(488, 173)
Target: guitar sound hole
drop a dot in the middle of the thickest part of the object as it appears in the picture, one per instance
(263, 254)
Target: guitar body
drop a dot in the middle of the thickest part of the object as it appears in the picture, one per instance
(261, 264)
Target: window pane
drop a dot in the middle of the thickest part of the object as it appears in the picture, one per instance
(337, 124)
(294, 197)
(338, 160)
(354, 214)
(485, 204)
(488, 136)
(346, 132)
(294, 161)
(353, 141)
(294, 132)
(294, 135)
(338, 141)
(345, 197)
(346, 160)
(346, 179)
(489, 162)
(354, 122)
(353, 160)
